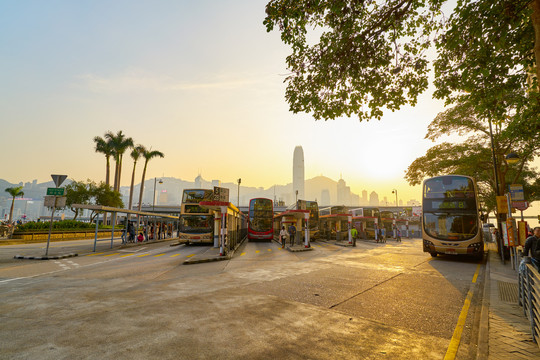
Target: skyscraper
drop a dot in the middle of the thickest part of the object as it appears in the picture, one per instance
(298, 172)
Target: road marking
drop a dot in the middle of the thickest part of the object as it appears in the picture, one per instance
(257, 251)
(111, 254)
(242, 254)
(456, 338)
(142, 255)
(127, 255)
(158, 255)
(95, 254)
(175, 255)
(269, 249)
(190, 255)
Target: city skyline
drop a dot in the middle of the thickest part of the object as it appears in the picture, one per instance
(169, 193)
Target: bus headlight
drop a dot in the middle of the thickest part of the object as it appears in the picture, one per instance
(428, 246)
(473, 248)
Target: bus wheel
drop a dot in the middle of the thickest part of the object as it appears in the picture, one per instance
(433, 254)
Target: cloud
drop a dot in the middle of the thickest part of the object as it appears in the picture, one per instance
(135, 80)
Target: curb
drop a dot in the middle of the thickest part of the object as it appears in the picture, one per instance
(229, 256)
(482, 348)
(45, 257)
(206, 260)
(299, 249)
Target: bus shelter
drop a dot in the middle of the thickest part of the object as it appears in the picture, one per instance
(366, 226)
(337, 226)
(146, 216)
(227, 224)
(294, 217)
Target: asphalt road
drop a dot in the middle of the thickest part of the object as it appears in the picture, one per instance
(375, 301)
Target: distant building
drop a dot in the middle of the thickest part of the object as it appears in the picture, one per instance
(343, 193)
(163, 198)
(373, 199)
(325, 197)
(365, 200)
(198, 182)
(216, 183)
(298, 173)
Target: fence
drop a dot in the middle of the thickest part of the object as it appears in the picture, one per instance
(529, 297)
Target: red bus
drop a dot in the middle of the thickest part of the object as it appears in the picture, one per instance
(261, 219)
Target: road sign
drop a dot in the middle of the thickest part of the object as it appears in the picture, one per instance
(49, 201)
(502, 207)
(55, 191)
(520, 205)
(58, 179)
(221, 194)
(516, 192)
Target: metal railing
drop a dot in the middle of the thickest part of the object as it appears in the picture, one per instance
(529, 297)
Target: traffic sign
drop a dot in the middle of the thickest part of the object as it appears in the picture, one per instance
(55, 191)
(520, 205)
(58, 179)
(516, 192)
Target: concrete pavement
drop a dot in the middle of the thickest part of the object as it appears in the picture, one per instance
(505, 332)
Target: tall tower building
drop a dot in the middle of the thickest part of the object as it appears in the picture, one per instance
(298, 173)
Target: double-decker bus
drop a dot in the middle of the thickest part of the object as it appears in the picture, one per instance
(196, 222)
(450, 218)
(261, 219)
(313, 208)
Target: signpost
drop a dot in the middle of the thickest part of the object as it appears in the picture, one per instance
(221, 194)
(58, 180)
(56, 191)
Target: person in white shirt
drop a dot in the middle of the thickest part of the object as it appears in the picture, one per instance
(283, 235)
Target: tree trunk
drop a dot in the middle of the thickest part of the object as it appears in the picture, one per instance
(535, 17)
(119, 174)
(107, 181)
(142, 185)
(11, 210)
(131, 188)
(132, 185)
(141, 192)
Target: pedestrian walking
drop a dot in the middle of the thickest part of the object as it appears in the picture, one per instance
(292, 233)
(354, 235)
(532, 245)
(283, 234)
(131, 232)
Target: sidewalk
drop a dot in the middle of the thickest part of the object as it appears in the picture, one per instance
(505, 331)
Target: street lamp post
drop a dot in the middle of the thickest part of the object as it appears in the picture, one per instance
(497, 191)
(154, 200)
(238, 198)
(395, 191)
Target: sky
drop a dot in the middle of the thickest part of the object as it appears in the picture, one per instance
(200, 81)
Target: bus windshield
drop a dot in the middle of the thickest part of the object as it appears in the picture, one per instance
(449, 187)
(451, 226)
(196, 224)
(261, 215)
(195, 196)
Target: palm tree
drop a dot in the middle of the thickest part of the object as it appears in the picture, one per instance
(105, 147)
(148, 155)
(14, 192)
(135, 155)
(120, 144)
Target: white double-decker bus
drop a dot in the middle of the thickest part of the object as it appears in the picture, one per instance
(450, 218)
(196, 222)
